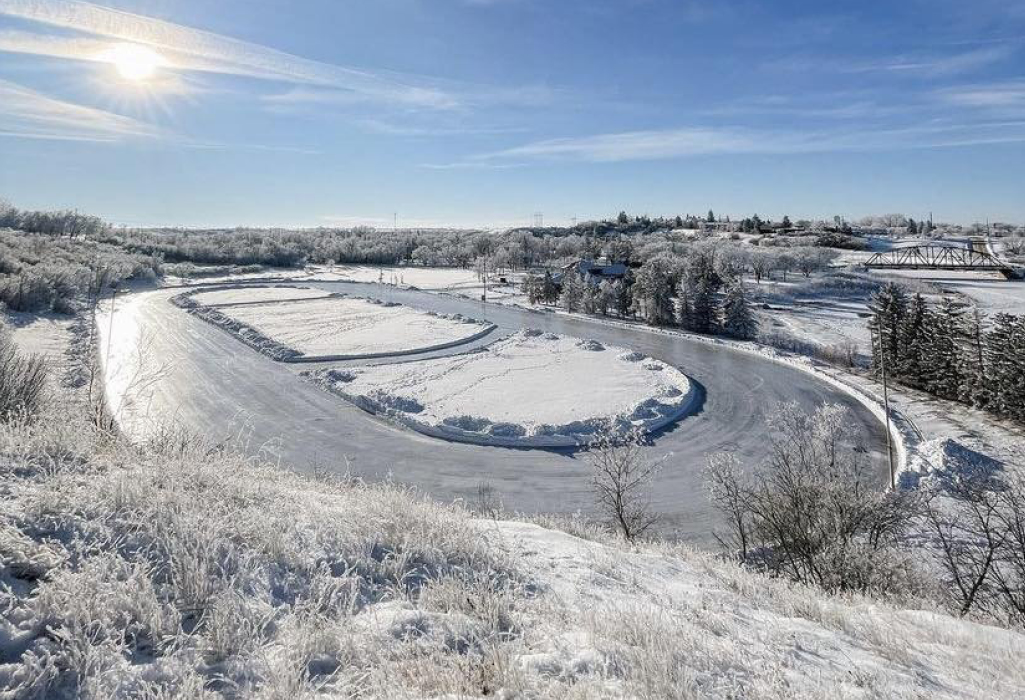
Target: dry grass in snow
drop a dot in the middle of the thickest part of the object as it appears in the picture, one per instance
(181, 570)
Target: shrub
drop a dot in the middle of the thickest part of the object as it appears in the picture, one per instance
(813, 512)
(22, 380)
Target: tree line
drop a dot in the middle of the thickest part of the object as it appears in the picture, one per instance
(65, 224)
(950, 350)
(701, 290)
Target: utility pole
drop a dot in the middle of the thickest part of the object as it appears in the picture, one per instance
(395, 222)
(886, 409)
(484, 296)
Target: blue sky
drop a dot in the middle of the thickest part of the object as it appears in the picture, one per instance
(482, 112)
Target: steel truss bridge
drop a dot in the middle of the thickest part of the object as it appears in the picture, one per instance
(939, 258)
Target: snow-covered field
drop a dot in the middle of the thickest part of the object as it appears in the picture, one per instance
(341, 326)
(251, 295)
(530, 389)
(44, 335)
(427, 278)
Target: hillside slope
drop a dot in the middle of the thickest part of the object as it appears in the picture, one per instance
(184, 570)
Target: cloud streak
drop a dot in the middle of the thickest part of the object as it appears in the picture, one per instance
(910, 65)
(191, 49)
(25, 113)
(689, 142)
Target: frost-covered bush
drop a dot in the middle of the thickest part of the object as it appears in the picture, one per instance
(975, 515)
(813, 511)
(22, 380)
(46, 273)
(181, 569)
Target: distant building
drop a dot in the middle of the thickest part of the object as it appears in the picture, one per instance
(592, 272)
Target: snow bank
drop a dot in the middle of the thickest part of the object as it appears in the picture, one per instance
(658, 622)
(337, 327)
(529, 390)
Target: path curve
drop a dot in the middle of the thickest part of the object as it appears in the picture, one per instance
(165, 365)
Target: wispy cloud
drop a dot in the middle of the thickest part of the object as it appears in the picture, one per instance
(186, 48)
(26, 113)
(690, 142)
(912, 65)
(1001, 95)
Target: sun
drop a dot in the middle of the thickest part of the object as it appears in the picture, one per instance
(134, 62)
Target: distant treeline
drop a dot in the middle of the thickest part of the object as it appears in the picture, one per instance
(66, 224)
(42, 272)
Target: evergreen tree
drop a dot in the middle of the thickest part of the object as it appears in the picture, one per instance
(653, 290)
(944, 375)
(913, 340)
(1005, 366)
(786, 221)
(912, 228)
(699, 310)
(704, 317)
(532, 288)
(603, 298)
(549, 290)
(974, 389)
(888, 307)
(573, 289)
(738, 321)
(622, 297)
(711, 217)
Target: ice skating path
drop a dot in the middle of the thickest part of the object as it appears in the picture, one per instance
(164, 365)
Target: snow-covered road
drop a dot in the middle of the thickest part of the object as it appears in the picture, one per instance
(191, 372)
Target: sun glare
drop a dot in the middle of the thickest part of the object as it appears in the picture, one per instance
(133, 62)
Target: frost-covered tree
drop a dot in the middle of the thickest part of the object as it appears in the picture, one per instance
(573, 290)
(549, 289)
(973, 389)
(946, 338)
(738, 321)
(621, 476)
(913, 338)
(699, 288)
(813, 512)
(1005, 362)
(622, 297)
(762, 263)
(653, 290)
(888, 307)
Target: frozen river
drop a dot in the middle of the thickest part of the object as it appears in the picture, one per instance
(165, 365)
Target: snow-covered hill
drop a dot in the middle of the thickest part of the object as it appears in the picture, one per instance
(184, 570)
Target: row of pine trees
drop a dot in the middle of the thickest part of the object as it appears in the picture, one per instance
(950, 350)
(698, 293)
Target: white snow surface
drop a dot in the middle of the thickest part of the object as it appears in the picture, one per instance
(531, 388)
(652, 609)
(341, 326)
(428, 278)
(248, 295)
